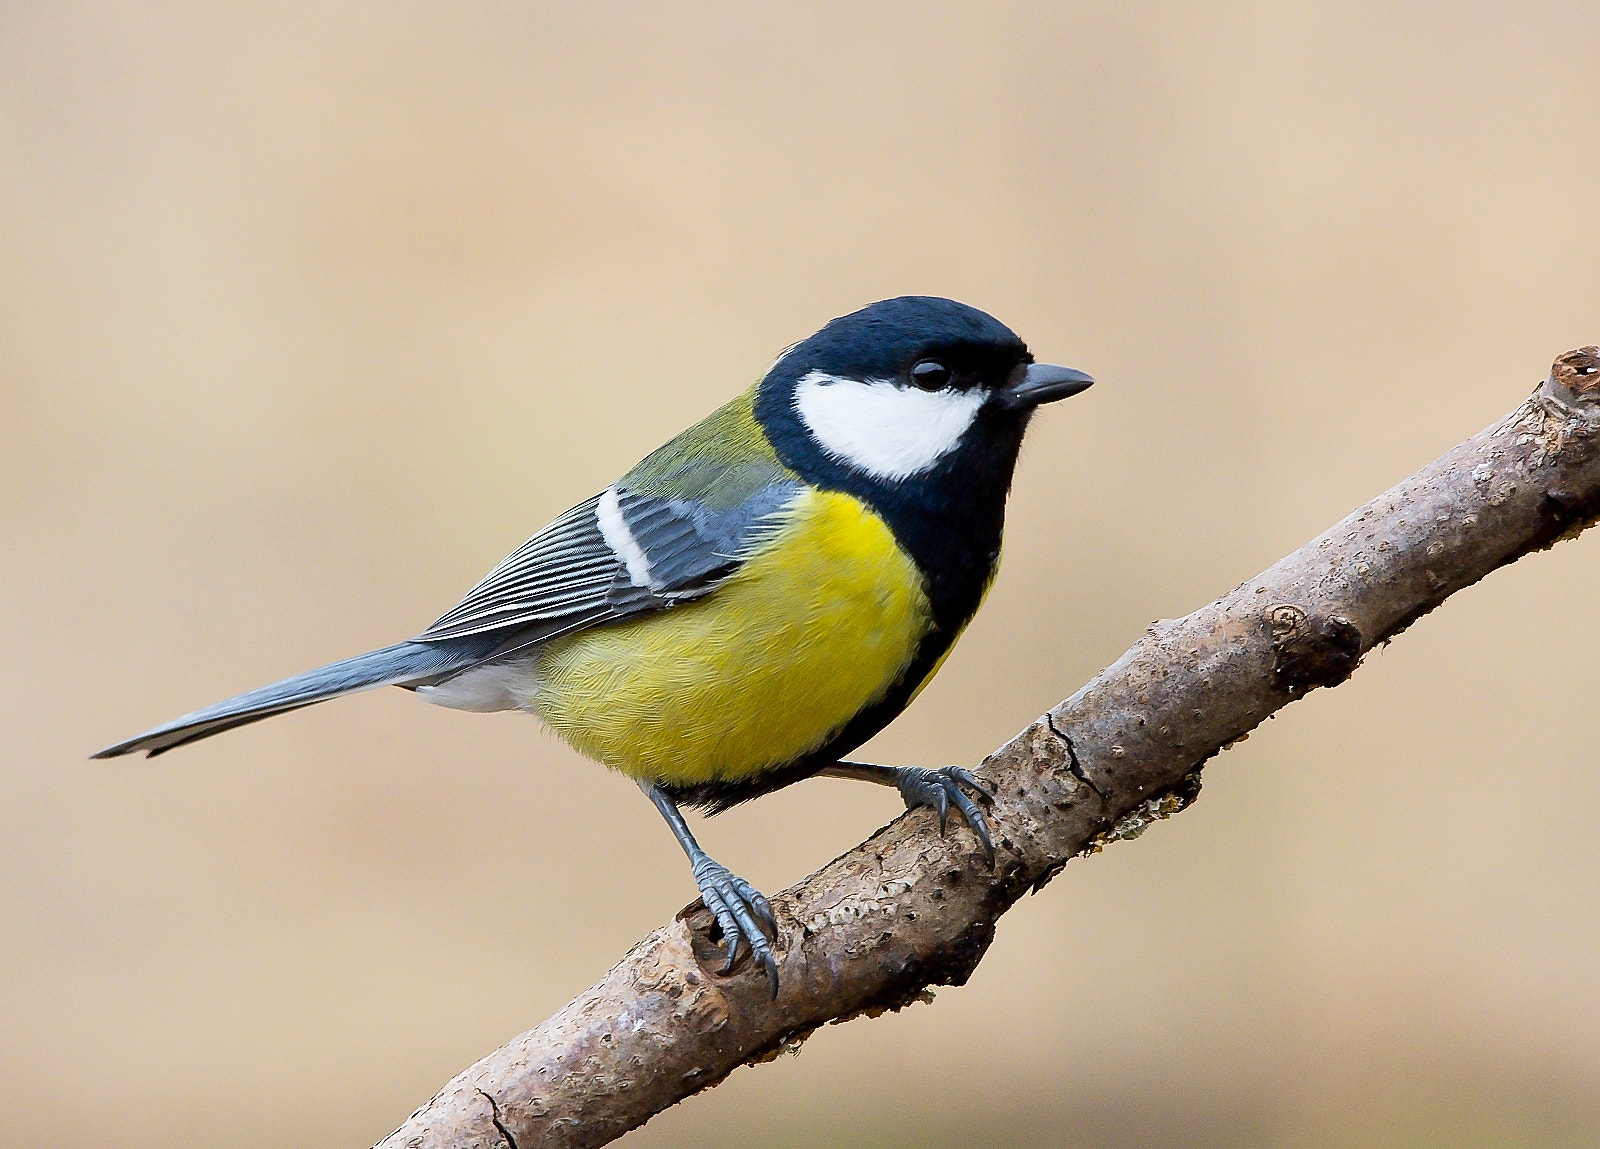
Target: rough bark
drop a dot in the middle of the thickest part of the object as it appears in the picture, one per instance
(908, 908)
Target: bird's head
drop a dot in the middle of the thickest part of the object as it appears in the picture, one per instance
(908, 390)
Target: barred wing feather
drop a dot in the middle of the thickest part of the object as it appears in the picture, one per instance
(618, 554)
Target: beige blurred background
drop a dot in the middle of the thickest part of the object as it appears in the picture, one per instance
(309, 313)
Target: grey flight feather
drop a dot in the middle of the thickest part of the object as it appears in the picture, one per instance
(568, 573)
(405, 663)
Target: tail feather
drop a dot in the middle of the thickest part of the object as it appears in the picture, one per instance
(403, 664)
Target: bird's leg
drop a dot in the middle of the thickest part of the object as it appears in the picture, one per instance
(738, 906)
(936, 789)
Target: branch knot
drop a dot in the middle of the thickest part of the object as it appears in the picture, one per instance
(1311, 650)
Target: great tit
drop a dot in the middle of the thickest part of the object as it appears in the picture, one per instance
(756, 598)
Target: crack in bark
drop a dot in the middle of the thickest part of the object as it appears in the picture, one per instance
(494, 1116)
(1073, 764)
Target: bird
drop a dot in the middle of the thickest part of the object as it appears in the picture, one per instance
(757, 597)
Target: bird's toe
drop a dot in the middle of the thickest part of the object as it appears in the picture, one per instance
(940, 789)
(743, 915)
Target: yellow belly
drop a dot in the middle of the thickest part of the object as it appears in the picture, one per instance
(814, 628)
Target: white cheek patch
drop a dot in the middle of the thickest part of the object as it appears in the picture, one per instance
(890, 432)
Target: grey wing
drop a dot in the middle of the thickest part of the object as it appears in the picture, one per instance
(619, 554)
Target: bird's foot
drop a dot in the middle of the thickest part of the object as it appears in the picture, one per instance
(741, 912)
(940, 789)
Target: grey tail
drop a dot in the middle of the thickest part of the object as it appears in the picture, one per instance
(403, 664)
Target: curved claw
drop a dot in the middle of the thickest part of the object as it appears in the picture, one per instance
(937, 789)
(742, 913)
(763, 910)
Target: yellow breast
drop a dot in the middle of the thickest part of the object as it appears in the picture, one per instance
(815, 627)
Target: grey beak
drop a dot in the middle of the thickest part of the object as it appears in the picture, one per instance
(1034, 383)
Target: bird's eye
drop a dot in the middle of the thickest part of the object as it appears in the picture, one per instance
(930, 375)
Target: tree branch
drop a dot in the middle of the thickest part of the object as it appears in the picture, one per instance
(907, 908)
